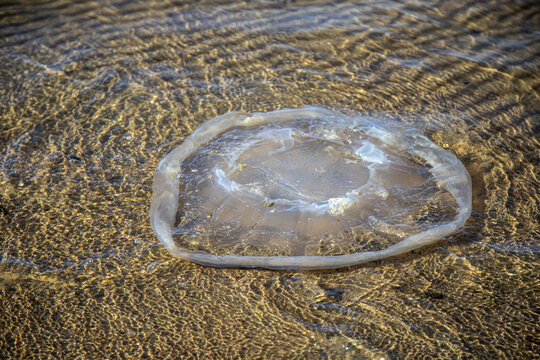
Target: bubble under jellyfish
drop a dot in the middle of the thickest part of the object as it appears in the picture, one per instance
(307, 188)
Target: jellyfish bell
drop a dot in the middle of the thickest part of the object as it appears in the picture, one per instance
(307, 188)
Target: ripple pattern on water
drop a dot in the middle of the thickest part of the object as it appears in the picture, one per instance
(93, 94)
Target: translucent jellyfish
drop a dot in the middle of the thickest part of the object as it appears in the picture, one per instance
(307, 188)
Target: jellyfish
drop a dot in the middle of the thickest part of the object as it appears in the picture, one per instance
(307, 188)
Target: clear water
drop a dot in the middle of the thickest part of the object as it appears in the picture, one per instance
(93, 94)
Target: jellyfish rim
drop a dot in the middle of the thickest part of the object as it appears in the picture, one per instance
(447, 170)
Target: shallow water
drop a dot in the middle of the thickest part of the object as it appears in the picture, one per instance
(93, 94)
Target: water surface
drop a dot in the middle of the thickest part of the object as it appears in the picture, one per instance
(93, 94)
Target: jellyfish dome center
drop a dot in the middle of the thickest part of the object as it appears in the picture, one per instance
(293, 168)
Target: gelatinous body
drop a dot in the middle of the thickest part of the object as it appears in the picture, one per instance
(305, 188)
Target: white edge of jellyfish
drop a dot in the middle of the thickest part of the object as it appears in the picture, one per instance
(453, 176)
(369, 153)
